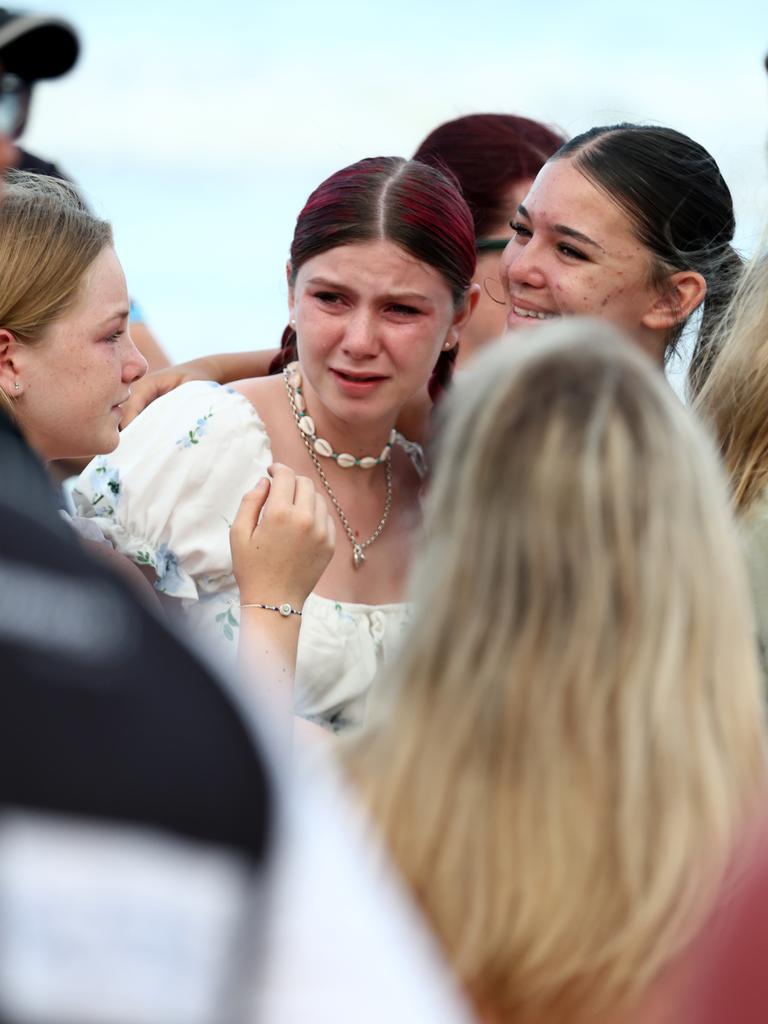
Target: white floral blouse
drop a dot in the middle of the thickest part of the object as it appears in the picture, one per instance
(167, 497)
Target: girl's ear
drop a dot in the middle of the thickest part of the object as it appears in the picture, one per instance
(9, 370)
(685, 291)
(291, 290)
(462, 315)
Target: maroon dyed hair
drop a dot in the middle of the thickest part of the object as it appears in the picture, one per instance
(488, 154)
(415, 206)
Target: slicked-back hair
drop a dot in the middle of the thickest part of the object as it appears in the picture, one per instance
(672, 190)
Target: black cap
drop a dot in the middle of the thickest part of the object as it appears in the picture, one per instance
(36, 46)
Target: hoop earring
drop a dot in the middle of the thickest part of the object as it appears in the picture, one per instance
(487, 290)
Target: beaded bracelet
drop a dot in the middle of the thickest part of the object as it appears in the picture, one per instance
(284, 609)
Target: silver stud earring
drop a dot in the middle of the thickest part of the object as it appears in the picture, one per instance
(16, 386)
(293, 323)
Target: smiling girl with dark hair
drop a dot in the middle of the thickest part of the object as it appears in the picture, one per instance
(628, 222)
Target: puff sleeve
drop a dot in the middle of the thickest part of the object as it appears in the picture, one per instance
(167, 495)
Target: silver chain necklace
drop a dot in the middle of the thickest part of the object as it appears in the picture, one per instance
(358, 548)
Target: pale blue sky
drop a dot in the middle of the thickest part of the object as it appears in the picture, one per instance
(199, 129)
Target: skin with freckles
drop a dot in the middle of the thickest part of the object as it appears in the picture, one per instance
(575, 251)
(73, 380)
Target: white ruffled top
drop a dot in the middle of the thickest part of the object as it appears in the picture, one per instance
(167, 497)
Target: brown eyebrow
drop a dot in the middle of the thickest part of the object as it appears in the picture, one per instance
(119, 314)
(563, 229)
(324, 282)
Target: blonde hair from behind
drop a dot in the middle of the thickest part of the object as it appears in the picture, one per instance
(48, 240)
(572, 735)
(730, 391)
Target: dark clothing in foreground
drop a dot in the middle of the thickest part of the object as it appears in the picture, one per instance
(136, 810)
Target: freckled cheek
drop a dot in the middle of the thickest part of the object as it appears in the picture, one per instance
(576, 296)
(310, 319)
(416, 353)
(318, 335)
(611, 297)
(87, 398)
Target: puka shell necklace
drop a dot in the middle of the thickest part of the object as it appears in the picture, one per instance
(292, 375)
(292, 378)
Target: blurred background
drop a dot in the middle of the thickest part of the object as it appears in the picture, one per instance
(199, 129)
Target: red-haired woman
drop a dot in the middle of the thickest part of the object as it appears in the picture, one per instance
(380, 287)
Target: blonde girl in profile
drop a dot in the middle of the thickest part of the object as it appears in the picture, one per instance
(571, 738)
(729, 388)
(67, 363)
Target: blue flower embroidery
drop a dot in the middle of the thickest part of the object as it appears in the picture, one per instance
(194, 434)
(105, 481)
(166, 564)
(221, 387)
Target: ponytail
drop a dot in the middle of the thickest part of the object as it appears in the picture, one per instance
(442, 374)
(721, 287)
(288, 353)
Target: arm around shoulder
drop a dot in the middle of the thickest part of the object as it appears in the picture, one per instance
(222, 367)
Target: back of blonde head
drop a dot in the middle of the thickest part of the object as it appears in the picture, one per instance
(574, 732)
(48, 240)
